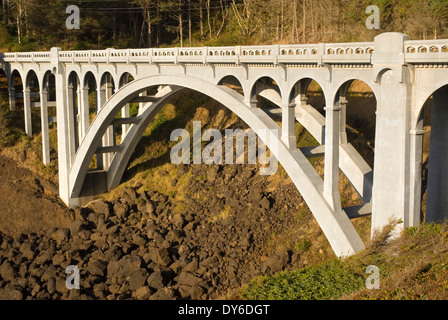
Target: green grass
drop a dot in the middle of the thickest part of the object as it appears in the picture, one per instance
(330, 280)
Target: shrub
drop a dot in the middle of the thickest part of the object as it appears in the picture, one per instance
(330, 280)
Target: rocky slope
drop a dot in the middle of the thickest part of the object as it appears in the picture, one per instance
(142, 245)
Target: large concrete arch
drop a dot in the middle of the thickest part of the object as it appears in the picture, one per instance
(423, 96)
(121, 82)
(339, 231)
(253, 90)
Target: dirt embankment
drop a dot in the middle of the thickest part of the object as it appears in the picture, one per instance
(28, 203)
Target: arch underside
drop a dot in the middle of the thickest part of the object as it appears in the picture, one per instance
(336, 226)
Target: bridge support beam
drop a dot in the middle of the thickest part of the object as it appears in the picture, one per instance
(437, 199)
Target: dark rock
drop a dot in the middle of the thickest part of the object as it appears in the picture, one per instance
(58, 258)
(51, 286)
(61, 286)
(100, 206)
(61, 235)
(194, 293)
(163, 294)
(7, 271)
(212, 173)
(129, 195)
(192, 266)
(97, 267)
(139, 240)
(137, 279)
(11, 293)
(277, 262)
(114, 253)
(265, 203)
(187, 278)
(27, 250)
(142, 293)
(121, 210)
(76, 226)
(160, 256)
(156, 280)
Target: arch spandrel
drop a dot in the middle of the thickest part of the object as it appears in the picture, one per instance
(337, 227)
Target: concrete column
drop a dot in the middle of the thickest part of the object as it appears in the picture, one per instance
(415, 192)
(390, 195)
(301, 100)
(437, 197)
(125, 127)
(251, 102)
(44, 125)
(27, 111)
(63, 128)
(390, 198)
(84, 116)
(108, 139)
(288, 125)
(331, 168)
(343, 120)
(12, 97)
(71, 118)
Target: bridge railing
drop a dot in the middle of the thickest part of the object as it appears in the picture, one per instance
(415, 51)
(421, 51)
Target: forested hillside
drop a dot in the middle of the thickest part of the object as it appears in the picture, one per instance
(39, 25)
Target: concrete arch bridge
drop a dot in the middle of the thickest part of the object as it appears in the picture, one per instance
(401, 73)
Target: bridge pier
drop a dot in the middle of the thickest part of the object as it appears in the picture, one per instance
(105, 91)
(84, 116)
(44, 125)
(27, 110)
(437, 196)
(331, 165)
(12, 97)
(416, 153)
(390, 198)
(288, 135)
